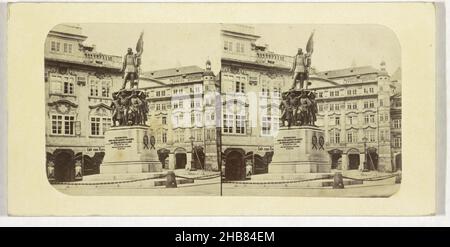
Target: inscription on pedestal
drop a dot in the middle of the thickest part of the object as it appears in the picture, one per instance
(121, 142)
(289, 142)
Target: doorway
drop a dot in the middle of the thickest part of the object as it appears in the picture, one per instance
(353, 161)
(234, 166)
(180, 160)
(64, 166)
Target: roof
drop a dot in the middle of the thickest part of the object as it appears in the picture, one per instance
(193, 69)
(348, 72)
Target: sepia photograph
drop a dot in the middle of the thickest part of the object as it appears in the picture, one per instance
(131, 109)
(310, 110)
(285, 110)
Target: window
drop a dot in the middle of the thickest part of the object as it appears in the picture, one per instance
(355, 106)
(335, 136)
(63, 125)
(349, 92)
(354, 91)
(366, 119)
(366, 104)
(228, 123)
(371, 90)
(336, 107)
(164, 137)
(228, 46)
(331, 93)
(55, 46)
(103, 86)
(106, 87)
(352, 120)
(350, 137)
(106, 124)
(158, 107)
(192, 119)
(239, 47)
(337, 121)
(67, 48)
(240, 124)
(349, 106)
(240, 87)
(320, 94)
(381, 102)
(266, 125)
(370, 135)
(397, 124)
(331, 107)
(158, 93)
(371, 104)
(372, 118)
(99, 125)
(397, 142)
(336, 93)
(164, 120)
(321, 107)
(61, 84)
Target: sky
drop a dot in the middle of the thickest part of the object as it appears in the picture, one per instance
(172, 45)
(165, 45)
(335, 46)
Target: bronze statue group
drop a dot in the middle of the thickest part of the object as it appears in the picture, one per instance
(129, 107)
(299, 108)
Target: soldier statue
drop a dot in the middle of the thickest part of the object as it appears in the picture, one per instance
(300, 68)
(131, 64)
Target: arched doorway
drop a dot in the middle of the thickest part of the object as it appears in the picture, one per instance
(180, 158)
(64, 165)
(234, 166)
(336, 156)
(398, 162)
(372, 159)
(353, 159)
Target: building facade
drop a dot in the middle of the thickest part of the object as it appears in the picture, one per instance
(354, 107)
(182, 116)
(78, 86)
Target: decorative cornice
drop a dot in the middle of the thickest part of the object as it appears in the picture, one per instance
(63, 101)
(100, 105)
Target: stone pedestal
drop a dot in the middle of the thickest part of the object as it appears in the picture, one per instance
(300, 149)
(128, 150)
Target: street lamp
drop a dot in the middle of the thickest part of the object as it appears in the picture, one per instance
(364, 139)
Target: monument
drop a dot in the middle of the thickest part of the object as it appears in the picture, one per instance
(299, 145)
(129, 147)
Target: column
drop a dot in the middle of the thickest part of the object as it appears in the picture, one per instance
(362, 159)
(171, 161)
(344, 162)
(188, 161)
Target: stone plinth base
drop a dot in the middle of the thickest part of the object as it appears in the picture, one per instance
(300, 150)
(128, 149)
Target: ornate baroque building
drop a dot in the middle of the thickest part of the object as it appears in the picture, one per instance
(354, 107)
(78, 86)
